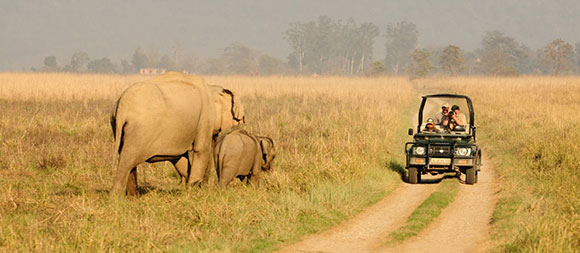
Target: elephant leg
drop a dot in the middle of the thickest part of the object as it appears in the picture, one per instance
(132, 187)
(224, 183)
(182, 167)
(124, 168)
(254, 179)
(199, 161)
(207, 171)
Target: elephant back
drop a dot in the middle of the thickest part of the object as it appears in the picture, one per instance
(164, 115)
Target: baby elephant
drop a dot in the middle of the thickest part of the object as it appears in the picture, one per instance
(242, 155)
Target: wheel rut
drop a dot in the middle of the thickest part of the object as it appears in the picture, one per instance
(464, 225)
(368, 229)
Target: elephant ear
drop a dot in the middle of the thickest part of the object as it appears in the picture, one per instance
(237, 107)
(267, 146)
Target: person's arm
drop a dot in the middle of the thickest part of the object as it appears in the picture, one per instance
(459, 120)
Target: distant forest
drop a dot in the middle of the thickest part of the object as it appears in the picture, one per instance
(334, 47)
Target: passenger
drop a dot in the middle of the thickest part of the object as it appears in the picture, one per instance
(443, 127)
(430, 127)
(457, 118)
(439, 117)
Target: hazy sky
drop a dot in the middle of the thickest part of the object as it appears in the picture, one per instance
(32, 29)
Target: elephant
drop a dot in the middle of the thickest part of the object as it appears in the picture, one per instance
(229, 113)
(242, 155)
(173, 117)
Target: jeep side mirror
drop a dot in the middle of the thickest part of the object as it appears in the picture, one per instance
(410, 131)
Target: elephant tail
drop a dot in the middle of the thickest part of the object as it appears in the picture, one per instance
(117, 124)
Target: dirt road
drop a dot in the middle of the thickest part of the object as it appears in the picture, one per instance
(462, 227)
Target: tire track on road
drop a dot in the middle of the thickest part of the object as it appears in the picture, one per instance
(368, 229)
(464, 226)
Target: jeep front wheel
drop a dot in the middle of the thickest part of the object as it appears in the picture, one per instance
(470, 176)
(414, 176)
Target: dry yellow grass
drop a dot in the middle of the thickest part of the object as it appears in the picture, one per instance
(334, 135)
(62, 86)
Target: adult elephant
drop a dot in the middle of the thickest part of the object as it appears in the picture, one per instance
(173, 118)
(229, 113)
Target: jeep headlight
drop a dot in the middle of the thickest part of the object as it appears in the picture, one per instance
(462, 151)
(419, 150)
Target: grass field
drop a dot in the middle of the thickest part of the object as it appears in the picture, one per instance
(335, 137)
(530, 127)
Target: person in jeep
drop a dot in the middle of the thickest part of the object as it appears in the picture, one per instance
(430, 127)
(439, 117)
(457, 118)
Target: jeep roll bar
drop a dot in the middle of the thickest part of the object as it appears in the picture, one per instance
(469, 105)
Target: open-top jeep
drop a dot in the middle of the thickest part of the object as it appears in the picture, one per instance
(442, 143)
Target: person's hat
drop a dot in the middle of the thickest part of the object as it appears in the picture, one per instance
(446, 105)
(455, 107)
(430, 120)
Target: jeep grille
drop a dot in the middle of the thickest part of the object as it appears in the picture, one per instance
(440, 150)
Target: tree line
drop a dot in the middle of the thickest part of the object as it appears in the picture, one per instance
(336, 47)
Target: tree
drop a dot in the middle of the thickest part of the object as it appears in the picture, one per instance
(269, 65)
(329, 46)
(167, 63)
(239, 59)
(50, 63)
(421, 64)
(451, 60)
(500, 54)
(126, 67)
(213, 66)
(528, 61)
(140, 60)
(297, 37)
(378, 68)
(354, 46)
(558, 54)
(103, 65)
(78, 61)
(577, 47)
(401, 40)
(367, 34)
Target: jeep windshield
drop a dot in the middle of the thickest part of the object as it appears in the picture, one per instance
(437, 120)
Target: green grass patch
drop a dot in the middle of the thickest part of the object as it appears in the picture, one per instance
(426, 212)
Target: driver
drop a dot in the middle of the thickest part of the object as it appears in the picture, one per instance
(430, 127)
(439, 118)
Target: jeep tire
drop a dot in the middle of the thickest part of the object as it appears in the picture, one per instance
(470, 176)
(414, 176)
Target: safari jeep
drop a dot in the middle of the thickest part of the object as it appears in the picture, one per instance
(443, 148)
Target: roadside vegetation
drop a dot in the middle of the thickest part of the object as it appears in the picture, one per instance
(334, 137)
(529, 127)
